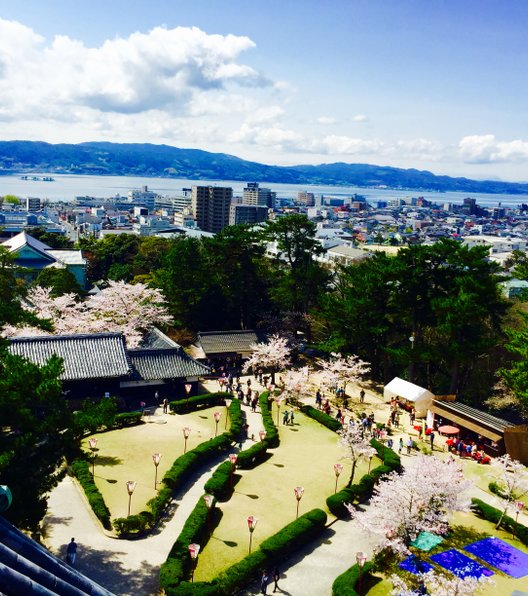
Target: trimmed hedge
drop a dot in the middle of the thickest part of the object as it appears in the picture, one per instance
(197, 529)
(322, 418)
(496, 489)
(198, 402)
(272, 434)
(345, 584)
(220, 485)
(364, 488)
(182, 468)
(82, 472)
(493, 514)
(252, 457)
(271, 552)
(127, 419)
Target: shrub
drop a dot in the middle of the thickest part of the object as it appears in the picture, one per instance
(345, 584)
(252, 457)
(497, 489)
(493, 514)
(272, 436)
(197, 529)
(133, 524)
(127, 419)
(235, 420)
(82, 472)
(363, 489)
(271, 551)
(198, 402)
(221, 483)
(321, 417)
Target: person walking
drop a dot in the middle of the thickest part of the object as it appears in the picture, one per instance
(292, 415)
(276, 578)
(400, 446)
(165, 405)
(432, 438)
(362, 396)
(409, 445)
(71, 552)
(264, 582)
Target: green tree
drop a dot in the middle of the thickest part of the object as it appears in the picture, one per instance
(12, 199)
(111, 256)
(300, 279)
(149, 256)
(445, 297)
(194, 298)
(35, 434)
(52, 239)
(515, 374)
(94, 416)
(236, 260)
(61, 281)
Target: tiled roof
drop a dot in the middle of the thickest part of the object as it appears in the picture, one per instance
(26, 567)
(225, 342)
(149, 364)
(156, 340)
(90, 356)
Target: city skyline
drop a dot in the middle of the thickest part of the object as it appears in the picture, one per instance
(437, 86)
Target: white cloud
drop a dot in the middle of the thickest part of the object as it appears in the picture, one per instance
(485, 149)
(360, 118)
(161, 69)
(326, 120)
(273, 136)
(343, 145)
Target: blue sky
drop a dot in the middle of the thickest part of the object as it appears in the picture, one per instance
(437, 85)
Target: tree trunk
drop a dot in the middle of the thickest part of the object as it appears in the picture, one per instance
(351, 479)
(501, 517)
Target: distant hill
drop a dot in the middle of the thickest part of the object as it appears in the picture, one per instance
(142, 159)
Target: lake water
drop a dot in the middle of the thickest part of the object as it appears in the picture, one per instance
(66, 187)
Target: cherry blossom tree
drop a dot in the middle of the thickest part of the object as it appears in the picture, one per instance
(357, 447)
(513, 482)
(339, 371)
(294, 381)
(131, 309)
(419, 499)
(272, 355)
(438, 584)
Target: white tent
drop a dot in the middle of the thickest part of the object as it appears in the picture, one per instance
(410, 393)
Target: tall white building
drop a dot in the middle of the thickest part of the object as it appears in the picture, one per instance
(254, 195)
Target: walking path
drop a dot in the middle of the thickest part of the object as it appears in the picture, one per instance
(124, 566)
(132, 567)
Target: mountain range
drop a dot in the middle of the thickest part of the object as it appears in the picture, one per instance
(144, 159)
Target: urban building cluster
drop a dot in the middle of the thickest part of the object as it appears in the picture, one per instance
(348, 227)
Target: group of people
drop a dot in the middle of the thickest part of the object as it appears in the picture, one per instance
(267, 578)
(469, 449)
(288, 417)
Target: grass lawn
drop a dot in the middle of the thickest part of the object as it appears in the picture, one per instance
(126, 454)
(476, 529)
(305, 458)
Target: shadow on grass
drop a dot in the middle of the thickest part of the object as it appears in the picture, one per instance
(107, 460)
(230, 543)
(105, 568)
